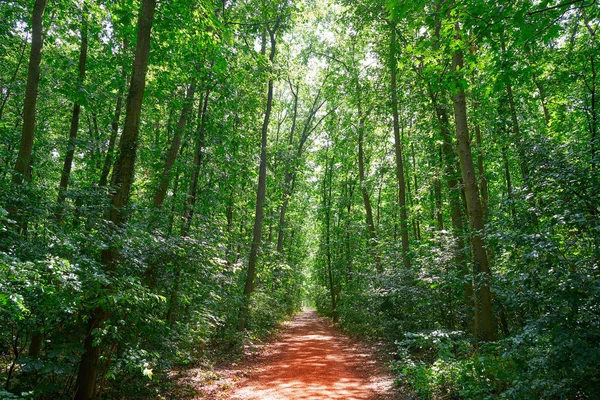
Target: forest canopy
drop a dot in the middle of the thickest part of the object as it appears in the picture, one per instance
(177, 177)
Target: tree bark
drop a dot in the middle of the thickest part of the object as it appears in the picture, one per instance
(542, 93)
(23, 163)
(260, 197)
(288, 176)
(437, 189)
(398, 151)
(190, 201)
(327, 187)
(123, 178)
(480, 169)
(453, 184)
(365, 193)
(484, 326)
(417, 220)
(509, 190)
(165, 179)
(114, 129)
(68, 163)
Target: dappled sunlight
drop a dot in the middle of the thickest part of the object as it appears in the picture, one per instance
(310, 362)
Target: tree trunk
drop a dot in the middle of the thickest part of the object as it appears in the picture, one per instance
(542, 94)
(66, 171)
(398, 151)
(165, 179)
(114, 129)
(22, 165)
(123, 174)
(517, 134)
(417, 219)
(437, 189)
(484, 326)
(482, 179)
(288, 177)
(509, 190)
(327, 187)
(365, 193)
(190, 201)
(260, 198)
(453, 184)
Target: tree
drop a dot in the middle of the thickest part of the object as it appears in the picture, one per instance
(262, 180)
(23, 163)
(66, 172)
(398, 151)
(484, 323)
(123, 175)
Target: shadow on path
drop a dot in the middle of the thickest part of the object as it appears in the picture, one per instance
(312, 361)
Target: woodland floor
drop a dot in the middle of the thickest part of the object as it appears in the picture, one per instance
(308, 360)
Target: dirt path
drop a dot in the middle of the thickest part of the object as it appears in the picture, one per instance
(313, 361)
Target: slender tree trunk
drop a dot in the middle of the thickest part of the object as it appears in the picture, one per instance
(66, 171)
(22, 165)
(165, 179)
(437, 188)
(348, 244)
(365, 193)
(398, 151)
(594, 125)
(509, 190)
(327, 187)
(124, 175)
(454, 191)
(417, 218)
(542, 94)
(517, 134)
(411, 202)
(593, 122)
(172, 210)
(190, 201)
(484, 326)
(260, 198)
(288, 176)
(481, 172)
(35, 346)
(454, 185)
(114, 129)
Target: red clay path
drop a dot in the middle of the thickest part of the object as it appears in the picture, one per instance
(313, 361)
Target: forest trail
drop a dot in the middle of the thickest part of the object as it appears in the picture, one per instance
(313, 361)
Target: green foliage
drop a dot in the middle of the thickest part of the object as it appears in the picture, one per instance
(172, 297)
(443, 365)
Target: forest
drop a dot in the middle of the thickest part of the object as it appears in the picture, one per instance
(178, 177)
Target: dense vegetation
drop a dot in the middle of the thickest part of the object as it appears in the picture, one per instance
(177, 177)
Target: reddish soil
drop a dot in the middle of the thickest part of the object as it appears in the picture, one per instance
(308, 360)
(313, 361)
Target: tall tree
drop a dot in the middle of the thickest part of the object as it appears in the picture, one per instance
(190, 201)
(398, 149)
(262, 184)
(165, 177)
(66, 171)
(123, 174)
(23, 163)
(363, 188)
(114, 125)
(484, 324)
